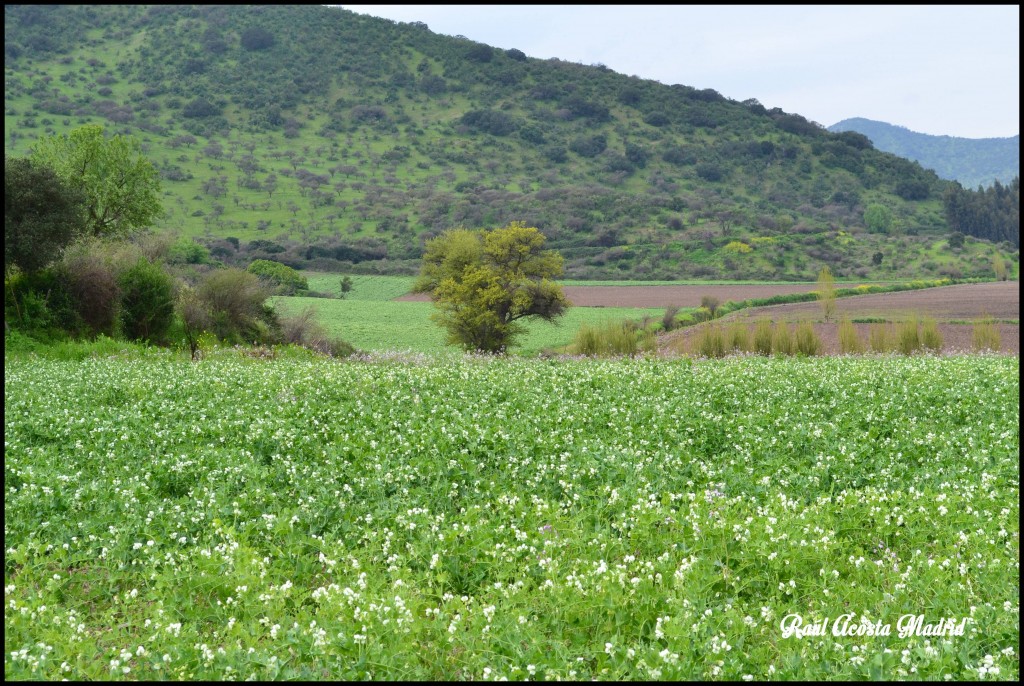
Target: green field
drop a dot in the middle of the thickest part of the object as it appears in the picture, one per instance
(365, 288)
(387, 325)
(463, 518)
(370, 319)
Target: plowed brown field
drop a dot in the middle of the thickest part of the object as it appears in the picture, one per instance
(948, 304)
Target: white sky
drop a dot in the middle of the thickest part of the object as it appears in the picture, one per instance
(934, 69)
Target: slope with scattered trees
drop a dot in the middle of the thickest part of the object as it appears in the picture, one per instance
(345, 142)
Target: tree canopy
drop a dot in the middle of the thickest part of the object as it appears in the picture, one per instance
(484, 282)
(121, 186)
(42, 214)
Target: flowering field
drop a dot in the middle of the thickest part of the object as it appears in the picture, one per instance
(465, 518)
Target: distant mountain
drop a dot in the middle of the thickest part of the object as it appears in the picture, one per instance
(971, 161)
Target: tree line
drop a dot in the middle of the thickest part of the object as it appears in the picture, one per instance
(991, 213)
(80, 263)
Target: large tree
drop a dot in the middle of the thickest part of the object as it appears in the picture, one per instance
(484, 282)
(121, 186)
(42, 214)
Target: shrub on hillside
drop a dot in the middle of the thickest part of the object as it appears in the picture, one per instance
(710, 342)
(39, 303)
(739, 337)
(711, 303)
(187, 251)
(668, 320)
(610, 338)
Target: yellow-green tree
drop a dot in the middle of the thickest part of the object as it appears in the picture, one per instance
(121, 186)
(827, 292)
(484, 283)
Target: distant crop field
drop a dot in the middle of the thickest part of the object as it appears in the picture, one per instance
(471, 518)
(386, 325)
(364, 287)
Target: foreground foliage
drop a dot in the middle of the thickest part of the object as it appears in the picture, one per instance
(474, 518)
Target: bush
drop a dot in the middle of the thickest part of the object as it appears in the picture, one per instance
(96, 292)
(702, 314)
(806, 341)
(257, 38)
(610, 338)
(236, 301)
(763, 337)
(195, 318)
(710, 342)
(739, 337)
(40, 303)
(303, 330)
(849, 340)
(187, 251)
(908, 339)
(931, 337)
(986, 335)
(668, 320)
(283, 279)
(711, 303)
(147, 302)
(879, 338)
(782, 339)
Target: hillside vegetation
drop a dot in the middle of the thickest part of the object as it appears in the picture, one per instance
(972, 162)
(328, 140)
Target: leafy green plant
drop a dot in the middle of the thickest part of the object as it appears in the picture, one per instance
(374, 519)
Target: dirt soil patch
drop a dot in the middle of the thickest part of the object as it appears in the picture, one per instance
(954, 307)
(963, 302)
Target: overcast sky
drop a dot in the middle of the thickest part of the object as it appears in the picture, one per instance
(934, 69)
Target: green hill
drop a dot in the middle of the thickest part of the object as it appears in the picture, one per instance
(330, 140)
(972, 162)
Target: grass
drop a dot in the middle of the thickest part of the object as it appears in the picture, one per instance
(364, 288)
(386, 325)
(472, 518)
